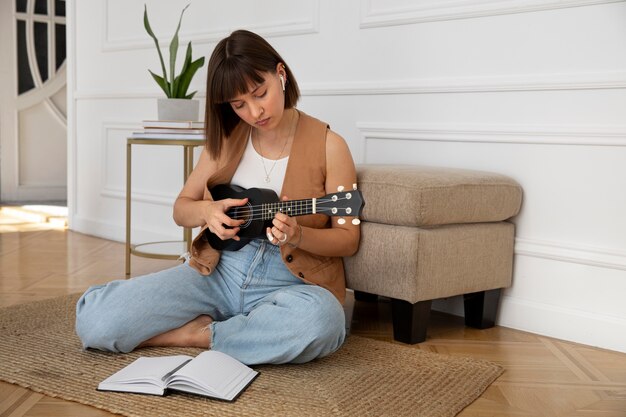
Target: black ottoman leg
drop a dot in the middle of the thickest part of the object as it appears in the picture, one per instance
(481, 308)
(410, 320)
(365, 296)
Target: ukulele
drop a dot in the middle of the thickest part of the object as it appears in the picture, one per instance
(263, 204)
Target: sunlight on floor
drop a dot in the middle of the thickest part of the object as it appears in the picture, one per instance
(32, 217)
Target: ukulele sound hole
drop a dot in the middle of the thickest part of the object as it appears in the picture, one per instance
(244, 213)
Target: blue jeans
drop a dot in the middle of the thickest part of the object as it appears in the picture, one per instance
(262, 313)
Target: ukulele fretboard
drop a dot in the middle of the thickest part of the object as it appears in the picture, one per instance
(291, 208)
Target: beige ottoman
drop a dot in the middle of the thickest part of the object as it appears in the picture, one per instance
(430, 233)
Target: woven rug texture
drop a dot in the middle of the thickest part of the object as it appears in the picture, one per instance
(40, 351)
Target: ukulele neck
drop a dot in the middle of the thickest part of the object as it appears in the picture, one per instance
(291, 208)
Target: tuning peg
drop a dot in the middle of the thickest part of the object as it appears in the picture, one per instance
(341, 221)
(356, 222)
(354, 186)
(340, 188)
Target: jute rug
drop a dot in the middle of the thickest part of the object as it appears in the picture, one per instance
(39, 351)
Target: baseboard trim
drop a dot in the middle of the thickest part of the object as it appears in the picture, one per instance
(591, 329)
(599, 330)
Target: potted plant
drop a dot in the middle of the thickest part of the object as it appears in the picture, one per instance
(179, 104)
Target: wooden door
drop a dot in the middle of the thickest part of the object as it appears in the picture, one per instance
(33, 122)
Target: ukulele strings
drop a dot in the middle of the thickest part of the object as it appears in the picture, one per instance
(257, 212)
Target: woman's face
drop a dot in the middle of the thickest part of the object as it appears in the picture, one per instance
(263, 105)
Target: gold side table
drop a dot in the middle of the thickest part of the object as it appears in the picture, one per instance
(159, 249)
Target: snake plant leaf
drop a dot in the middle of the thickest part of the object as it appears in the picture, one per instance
(174, 86)
(179, 92)
(188, 72)
(186, 76)
(174, 52)
(190, 96)
(161, 82)
(146, 24)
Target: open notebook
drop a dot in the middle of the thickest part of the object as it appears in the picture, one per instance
(211, 373)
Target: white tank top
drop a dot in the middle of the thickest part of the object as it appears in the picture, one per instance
(251, 172)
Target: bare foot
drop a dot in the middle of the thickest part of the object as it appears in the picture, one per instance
(196, 333)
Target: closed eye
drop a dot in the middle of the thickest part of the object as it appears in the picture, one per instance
(256, 93)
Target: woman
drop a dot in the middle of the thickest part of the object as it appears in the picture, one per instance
(275, 300)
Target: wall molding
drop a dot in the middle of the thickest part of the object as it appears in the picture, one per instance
(518, 135)
(448, 85)
(571, 253)
(106, 189)
(434, 10)
(477, 84)
(509, 134)
(152, 93)
(286, 27)
(111, 191)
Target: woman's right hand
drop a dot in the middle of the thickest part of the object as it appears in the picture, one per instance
(217, 220)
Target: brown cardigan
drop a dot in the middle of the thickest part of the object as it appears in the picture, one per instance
(305, 178)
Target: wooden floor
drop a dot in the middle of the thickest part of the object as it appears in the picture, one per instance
(543, 376)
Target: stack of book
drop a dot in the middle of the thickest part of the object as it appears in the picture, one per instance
(170, 129)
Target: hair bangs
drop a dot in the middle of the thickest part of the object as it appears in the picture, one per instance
(235, 79)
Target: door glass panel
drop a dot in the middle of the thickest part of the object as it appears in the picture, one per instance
(45, 41)
(59, 42)
(41, 48)
(24, 77)
(59, 7)
(20, 6)
(41, 6)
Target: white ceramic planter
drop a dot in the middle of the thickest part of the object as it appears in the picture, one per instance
(178, 109)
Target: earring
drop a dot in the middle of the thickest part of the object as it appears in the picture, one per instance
(282, 81)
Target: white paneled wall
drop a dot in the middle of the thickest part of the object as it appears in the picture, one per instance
(532, 89)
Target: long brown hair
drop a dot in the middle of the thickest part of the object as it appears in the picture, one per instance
(238, 60)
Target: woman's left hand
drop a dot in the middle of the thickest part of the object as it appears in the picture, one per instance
(284, 230)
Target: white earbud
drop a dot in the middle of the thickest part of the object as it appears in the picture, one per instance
(282, 81)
